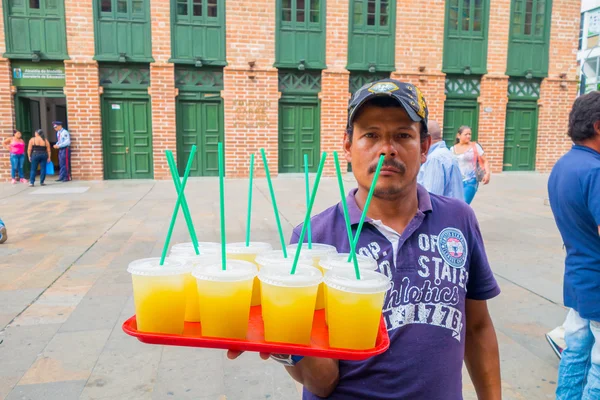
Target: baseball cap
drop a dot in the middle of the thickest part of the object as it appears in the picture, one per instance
(406, 94)
(56, 123)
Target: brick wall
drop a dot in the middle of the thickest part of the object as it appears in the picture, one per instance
(559, 90)
(419, 52)
(81, 90)
(250, 95)
(335, 84)
(162, 89)
(7, 120)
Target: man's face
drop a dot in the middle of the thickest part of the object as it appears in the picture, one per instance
(389, 132)
(57, 127)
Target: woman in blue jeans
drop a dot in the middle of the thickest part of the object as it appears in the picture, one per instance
(468, 154)
(39, 154)
(16, 147)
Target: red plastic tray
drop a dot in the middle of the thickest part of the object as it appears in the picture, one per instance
(319, 346)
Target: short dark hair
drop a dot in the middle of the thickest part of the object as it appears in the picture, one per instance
(381, 102)
(584, 114)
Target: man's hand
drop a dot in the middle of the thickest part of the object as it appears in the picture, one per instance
(55, 146)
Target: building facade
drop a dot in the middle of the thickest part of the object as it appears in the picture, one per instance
(588, 55)
(133, 78)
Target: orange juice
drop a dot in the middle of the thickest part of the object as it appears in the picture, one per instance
(239, 251)
(317, 252)
(192, 305)
(224, 297)
(288, 302)
(354, 307)
(159, 296)
(340, 260)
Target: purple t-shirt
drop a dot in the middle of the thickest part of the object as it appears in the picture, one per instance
(441, 262)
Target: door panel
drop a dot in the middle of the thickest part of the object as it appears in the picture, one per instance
(116, 136)
(128, 139)
(199, 123)
(457, 114)
(520, 138)
(140, 139)
(299, 134)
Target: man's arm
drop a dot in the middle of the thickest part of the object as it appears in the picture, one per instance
(319, 376)
(481, 351)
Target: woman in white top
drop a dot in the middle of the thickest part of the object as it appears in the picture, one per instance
(468, 155)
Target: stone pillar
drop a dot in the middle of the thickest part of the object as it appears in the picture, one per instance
(250, 87)
(335, 84)
(419, 52)
(7, 116)
(559, 90)
(494, 86)
(162, 89)
(82, 92)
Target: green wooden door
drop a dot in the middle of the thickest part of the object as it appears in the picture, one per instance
(457, 114)
(520, 137)
(35, 26)
(299, 134)
(127, 139)
(199, 123)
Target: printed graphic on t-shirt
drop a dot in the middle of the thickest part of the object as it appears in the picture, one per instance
(432, 294)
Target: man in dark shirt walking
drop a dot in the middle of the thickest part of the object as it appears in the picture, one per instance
(574, 190)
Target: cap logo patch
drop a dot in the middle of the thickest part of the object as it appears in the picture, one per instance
(422, 105)
(383, 87)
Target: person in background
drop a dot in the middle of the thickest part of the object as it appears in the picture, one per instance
(469, 154)
(440, 174)
(39, 154)
(16, 147)
(63, 145)
(574, 192)
(3, 234)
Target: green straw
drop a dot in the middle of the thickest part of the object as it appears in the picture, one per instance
(309, 209)
(184, 204)
(222, 206)
(307, 198)
(367, 203)
(346, 214)
(179, 187)
(250, 200)
(275, 210)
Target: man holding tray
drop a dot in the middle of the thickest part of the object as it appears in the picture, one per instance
(432, 250)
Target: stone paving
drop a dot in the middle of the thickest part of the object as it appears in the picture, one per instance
(65, 291)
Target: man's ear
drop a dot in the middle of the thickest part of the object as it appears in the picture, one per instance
(347, 147)
(425, 145)
(597, 127)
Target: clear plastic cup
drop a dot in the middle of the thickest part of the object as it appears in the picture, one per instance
(354, 307)
(182, 249)
(192, 305)
(317, 252)
(276, 257)
(288, 301)
(340, 261)
(224, 297)
(159, 295)
(239, 251)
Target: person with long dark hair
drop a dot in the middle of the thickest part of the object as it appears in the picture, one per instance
(39, 154)
(16, 146)
(471, 161)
